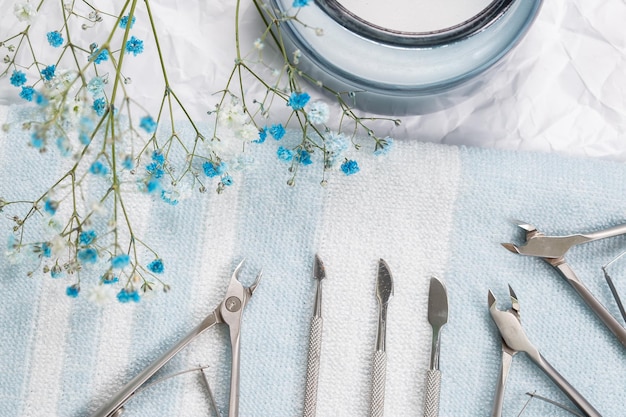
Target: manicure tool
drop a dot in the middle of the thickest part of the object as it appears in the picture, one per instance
(552, 249)
(315, 343)
(384, 292)
(437, 317)
(514, 340)
(228, 312)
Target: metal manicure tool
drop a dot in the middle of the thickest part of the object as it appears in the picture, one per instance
(315, 343)
(228, 312)
(437, 317)
(384, 292)
(552, 249)
(514, 340)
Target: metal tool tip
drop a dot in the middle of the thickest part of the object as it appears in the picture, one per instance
(491, 299)
(511, 247)
(524, 225)
(384, 287)
(255, 284)
(319, 271)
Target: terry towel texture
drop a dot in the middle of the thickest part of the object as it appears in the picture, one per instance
(426, 209)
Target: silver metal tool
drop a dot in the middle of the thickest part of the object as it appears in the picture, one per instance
(437, 317)
(384, 292)
(552, 249)
(514, 340)
(315, 343)
(228, 312)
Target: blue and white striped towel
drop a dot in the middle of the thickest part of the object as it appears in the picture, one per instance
(426, 209)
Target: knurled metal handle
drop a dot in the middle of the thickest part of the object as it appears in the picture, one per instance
(433, 388)
(313, 367)
(377, 406)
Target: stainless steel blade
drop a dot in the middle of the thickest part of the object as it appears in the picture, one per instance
(437, 316)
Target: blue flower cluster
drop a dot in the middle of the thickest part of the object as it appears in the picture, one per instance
(300, 3)
(73, 290)
(155, 170)
(212, 169)
(127, 295)
(18, 78)
(277, 131)
(55, 39)
(297, 101)
(120, 261)
(48, 72)
(350, 167)
(99, 106)
(98, 168)
(87, 237)
(134, 46)
(124, 22)
(98, 56)
(27, 93)
(148, 124)
(156, 266)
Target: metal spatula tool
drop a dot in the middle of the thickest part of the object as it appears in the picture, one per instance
(437, 317)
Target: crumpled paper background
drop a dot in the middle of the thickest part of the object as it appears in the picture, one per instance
(563, 89)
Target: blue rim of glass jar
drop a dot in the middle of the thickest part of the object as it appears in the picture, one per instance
(390, 90)
(362, 27)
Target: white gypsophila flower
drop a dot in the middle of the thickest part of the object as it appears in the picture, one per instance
(58, 245)
(101, 294)
(232, 115)
(335, 144)
(318, 112)
(24, 11)
(258, 44)
(248, 132)
(240, 162)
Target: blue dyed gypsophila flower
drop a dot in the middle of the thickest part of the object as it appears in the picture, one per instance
(300, 3)
(124, 22)
(48, 72)
(18, 78)
(318, 113)
(127, 295)
(297, 101)
(128, 162)
(212, 169)
(37, 141)
(170, 197)
(63, 145)
(51, 206)
(27, 93)
(87, 237)
(227, 180)
(98, 168)
(134, 46)
(148, 124)
(109, 278)
(55, 38)
(350, 167)
(96, 87)
(120, 261)
(284, 154)
(98, 56)
(304, 157)
(262, 135)
(46, 250)
(72, 290)
(56, 271)
(99, 106)
(156, 266)
(87, 255)
(277, 131)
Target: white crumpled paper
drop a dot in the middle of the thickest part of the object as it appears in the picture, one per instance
(563, 89)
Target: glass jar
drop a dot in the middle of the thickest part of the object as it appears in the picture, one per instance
(401, 66)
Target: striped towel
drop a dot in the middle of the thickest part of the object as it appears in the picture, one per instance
(424, 208)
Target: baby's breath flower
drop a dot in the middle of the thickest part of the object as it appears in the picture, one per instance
(148, 124)
(350, 167)
(120, 261)
(73, 290)
(227, 180)
(99, 106)
(124, 22)
(51, 207)
(214, 169)
(101, 294)
(304, 157)
(27, 93)
(134, 46)
(156, 266)
(232, 115)
(297, 101)
(55, 39)
(277, 131)
(98, 56)
(87, 255)
(318, 113)
(258, 44)
(284, 154)
(98, 168)
(25, 12)
(300, 3)
(48, 72)
(95, 86)
(262, 135)
(18, 78)
(127, 295)
(36, 141)
(248, 132)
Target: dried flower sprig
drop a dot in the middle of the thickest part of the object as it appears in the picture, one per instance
(116, 148)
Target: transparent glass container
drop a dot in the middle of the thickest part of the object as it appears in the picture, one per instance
(399, 72)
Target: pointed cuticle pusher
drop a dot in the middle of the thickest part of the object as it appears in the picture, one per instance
(437, 317)
(315, 344)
